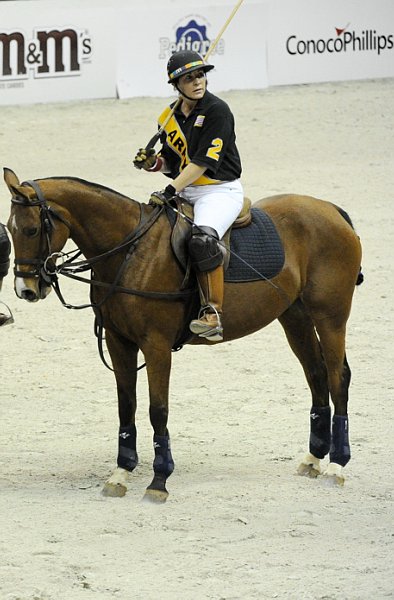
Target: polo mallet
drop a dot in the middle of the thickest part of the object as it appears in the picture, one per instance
(152, 142)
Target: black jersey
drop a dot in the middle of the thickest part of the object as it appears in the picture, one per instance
(206, 137)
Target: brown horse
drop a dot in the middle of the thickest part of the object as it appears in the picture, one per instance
(138, 292)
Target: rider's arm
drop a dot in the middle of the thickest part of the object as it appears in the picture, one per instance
(188, 176)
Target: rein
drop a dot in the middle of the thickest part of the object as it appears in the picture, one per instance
(49, 272)
(69, 268)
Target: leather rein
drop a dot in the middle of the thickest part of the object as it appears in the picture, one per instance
(47, 270)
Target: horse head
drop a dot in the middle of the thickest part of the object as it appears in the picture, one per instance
(38, 233)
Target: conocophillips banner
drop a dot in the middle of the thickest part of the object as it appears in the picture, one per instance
(51, 55)
(315, 40)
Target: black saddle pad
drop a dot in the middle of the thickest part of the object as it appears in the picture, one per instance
(256, 250)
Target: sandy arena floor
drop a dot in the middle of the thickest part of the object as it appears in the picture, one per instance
(239, 523)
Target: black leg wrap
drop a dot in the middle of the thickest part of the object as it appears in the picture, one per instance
(127, 455)
(163, 463)
(320, 431)
(340, 447)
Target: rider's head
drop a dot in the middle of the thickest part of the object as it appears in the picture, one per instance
(183, 63)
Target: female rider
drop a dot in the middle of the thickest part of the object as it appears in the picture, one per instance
(200, 156)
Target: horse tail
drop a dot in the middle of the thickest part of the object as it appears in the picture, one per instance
(345, 215)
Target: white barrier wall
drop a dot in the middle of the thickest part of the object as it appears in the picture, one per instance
(49, 53)
(55, 50)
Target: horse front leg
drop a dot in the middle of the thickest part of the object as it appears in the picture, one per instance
(158, 365)
(124, 360)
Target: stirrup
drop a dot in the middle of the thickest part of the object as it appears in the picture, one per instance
(204, 330)
(4, 318)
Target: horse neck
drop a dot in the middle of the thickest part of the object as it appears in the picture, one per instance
(100, 218)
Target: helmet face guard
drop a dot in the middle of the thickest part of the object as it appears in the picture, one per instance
(184, 62)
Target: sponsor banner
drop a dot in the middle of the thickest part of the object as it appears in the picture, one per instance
(316, 41)
(146, 43)
(49, 54)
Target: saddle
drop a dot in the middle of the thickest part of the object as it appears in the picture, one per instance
(252, 248)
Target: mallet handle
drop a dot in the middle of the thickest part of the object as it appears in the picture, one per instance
(153, 141)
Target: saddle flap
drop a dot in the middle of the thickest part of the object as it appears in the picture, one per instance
(181, 229)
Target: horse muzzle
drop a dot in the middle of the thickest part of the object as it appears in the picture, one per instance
(31, 289)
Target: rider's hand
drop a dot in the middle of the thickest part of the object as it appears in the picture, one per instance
(160, 198)
(145, 159)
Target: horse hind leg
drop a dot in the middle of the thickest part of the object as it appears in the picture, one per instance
(302, 338)
(332, 339)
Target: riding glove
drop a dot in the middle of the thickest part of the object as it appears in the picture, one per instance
(145, 159)
(160, 198)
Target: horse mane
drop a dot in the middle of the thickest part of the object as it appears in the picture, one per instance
(88, 184)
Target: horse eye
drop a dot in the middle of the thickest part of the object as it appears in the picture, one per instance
(30, 231)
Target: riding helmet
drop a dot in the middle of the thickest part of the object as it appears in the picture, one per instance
(185, 61)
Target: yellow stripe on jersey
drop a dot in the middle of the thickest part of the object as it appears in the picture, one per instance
(177, 142)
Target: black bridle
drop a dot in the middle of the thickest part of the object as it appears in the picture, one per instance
(47, 215)
(45, 269)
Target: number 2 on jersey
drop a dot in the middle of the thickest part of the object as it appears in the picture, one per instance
(214, 150)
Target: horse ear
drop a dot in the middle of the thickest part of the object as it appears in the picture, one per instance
(14, 185)
(10, 178)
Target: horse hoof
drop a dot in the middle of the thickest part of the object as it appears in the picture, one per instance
(310, 467)
(155, 496)
(333, 475)
(114, 490)
(308, 471)
(116, 486)
(156, 492)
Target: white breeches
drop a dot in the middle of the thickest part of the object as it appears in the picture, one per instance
(216, 205)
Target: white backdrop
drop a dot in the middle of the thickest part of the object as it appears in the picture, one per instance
(122, 47)
(239, 58)
(86, 56)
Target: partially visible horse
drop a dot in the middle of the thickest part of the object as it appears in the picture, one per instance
(138, 292)
(5, 251)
